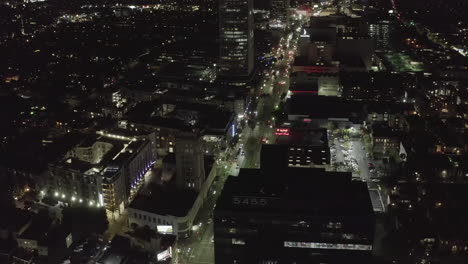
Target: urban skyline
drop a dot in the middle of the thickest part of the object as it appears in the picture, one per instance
(234, 131)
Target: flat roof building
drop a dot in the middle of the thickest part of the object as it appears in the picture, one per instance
(293, 215)
(300, 146)
(168, 211)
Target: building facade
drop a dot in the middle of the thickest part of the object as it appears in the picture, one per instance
(168, 212)
(299, 217)
(236, 38)
(101, 172)
(279, 14)
(380, 33)
(190, 169)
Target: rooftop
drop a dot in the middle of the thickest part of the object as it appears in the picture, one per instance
(165, 201)
(14, 219)
(385, 131)
(209, 116)
(310, 87)
(39, 228)
(321, 107)
(303, 136)
(179, 70)
(301, 191)
(114, 157)
(170, 158)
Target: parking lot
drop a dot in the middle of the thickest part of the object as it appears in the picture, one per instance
(349, 154)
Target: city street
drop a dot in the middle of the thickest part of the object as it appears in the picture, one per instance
(339, 129)
(199, 248)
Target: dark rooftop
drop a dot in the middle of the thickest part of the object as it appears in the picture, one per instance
(385, 131)
(170, 158)
(210, 116)
(311, 87)
(305, 137)
(14, 219)
(297, 191)
(39, 228)
(323, 107)
(164, 201)
(352, 61)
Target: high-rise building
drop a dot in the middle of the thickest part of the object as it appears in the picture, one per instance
(190, 168)
(236, 38)
(279, 14)
(380, 32)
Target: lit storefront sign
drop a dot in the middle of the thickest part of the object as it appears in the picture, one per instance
(282, 132)
(165, 254)
(165, 229)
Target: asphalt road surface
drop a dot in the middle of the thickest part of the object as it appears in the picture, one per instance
(199, 248)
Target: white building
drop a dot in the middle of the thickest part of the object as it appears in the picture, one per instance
(167, 212)
(103, 170)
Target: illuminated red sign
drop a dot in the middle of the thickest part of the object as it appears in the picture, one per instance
(282, 132)
(308, 120)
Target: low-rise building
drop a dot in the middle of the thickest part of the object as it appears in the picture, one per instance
(167, 211)
(385, 140)
(46, 238)
(16, 222)
(163, 121)
(141, 246)
(303, 147)
(319, 111)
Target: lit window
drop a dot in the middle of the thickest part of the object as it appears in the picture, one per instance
(319, 245)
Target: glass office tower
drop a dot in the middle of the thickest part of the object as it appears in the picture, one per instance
(236, 38)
